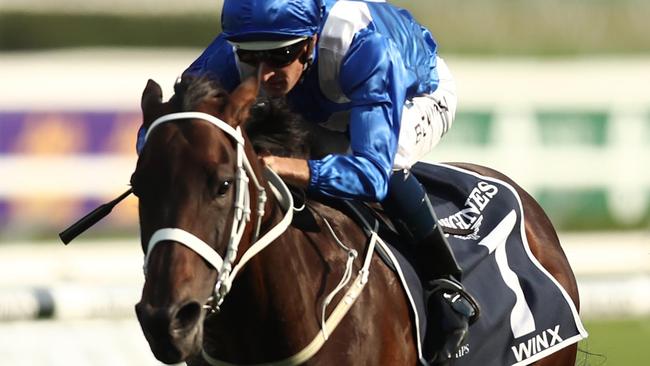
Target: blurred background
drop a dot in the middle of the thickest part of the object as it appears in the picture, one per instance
(556, 94)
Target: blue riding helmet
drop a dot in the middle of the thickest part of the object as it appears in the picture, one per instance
(269, 20)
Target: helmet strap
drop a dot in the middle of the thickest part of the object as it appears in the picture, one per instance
(307, 59)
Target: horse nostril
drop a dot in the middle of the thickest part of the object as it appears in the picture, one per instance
(143, 313)
(138, 311)
(187, 316)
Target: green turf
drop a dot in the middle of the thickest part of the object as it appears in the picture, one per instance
(616, 343)
(473, 27)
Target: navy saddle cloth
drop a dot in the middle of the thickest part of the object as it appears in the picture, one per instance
(525, 314)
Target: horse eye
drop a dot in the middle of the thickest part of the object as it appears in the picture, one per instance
(223, 187)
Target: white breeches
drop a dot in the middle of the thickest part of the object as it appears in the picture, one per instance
(425, 119)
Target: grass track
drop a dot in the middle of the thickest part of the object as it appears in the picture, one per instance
(616, 342)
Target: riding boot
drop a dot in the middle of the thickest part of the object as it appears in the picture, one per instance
(450, 308)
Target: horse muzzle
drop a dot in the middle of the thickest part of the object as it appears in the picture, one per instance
(174, 333)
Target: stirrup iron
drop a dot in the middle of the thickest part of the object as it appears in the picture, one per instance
(469, 307)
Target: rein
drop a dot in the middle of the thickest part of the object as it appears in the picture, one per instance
(224, 265)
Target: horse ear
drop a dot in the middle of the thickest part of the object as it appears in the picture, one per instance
(240, 100)
(151, 99)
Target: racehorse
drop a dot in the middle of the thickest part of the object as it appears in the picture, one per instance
(196, 178)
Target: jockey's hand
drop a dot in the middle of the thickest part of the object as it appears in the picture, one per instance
(294, 171)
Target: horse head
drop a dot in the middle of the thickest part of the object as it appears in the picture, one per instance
(186, 180)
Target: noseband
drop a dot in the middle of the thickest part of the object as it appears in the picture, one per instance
(224, 265)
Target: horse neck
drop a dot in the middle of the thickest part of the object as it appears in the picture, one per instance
(248, 281)
(266, 306)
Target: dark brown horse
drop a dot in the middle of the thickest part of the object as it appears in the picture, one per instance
(187, 179)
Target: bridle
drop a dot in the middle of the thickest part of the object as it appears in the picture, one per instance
(224, 265)
(242, 211)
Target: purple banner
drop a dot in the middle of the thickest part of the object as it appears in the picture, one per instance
(34, 134)
(62, 133)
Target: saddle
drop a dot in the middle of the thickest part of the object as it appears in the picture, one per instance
(526, 315)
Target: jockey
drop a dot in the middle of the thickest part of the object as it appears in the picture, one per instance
(367, 71)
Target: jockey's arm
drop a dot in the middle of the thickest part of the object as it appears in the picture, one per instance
(371, 76)
(218, 60)
(294, 171)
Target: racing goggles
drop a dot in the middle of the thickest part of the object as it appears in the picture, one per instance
(276, 58)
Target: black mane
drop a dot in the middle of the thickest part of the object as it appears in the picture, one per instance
(190, 91)
(272, 127)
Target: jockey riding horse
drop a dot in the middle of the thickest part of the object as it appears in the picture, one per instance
(369, 73)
